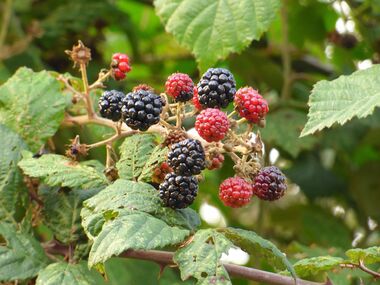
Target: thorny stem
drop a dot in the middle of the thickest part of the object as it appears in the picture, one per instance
(367, 270)
(89, 107)
(99, 82)
(166, 258)
(65, 81)
(111, 139)
(231, 114)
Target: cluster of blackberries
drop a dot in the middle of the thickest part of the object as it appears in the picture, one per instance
(139, 109)
(269, 184)
(179, 189)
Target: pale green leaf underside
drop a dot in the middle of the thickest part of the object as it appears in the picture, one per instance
(63, 273)
(133, 231)
(340, 100)
(201, 257)
(22, 257)
(13, 194)
(367, 255)
(258, 246)
(58, 170)
(315, 265)
(212, 29)
(31, 104)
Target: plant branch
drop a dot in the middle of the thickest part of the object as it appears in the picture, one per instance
(5, 21)
(166, 258)
(285, 53)
(110, 140)
(89, 107)
(367, 270)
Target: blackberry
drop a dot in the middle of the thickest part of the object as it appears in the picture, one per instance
(180, 87)
(187, 157)
(269, 184)
(217, 88)
(110, 104)
(141, 109)
(235, 192)
(178, 191)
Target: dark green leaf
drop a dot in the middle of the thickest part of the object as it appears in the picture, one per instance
(201, 257)
(61, 212)
(367, 255)
(22, 257)
(138, 155)
(258, 246)
(13, 194)
(283, 128)
(133, 231)
(313, 266)
(58, 170)
(63, 273)
(340, 100)
(212, 29)
(32, 104)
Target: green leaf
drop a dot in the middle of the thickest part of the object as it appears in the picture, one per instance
(212, 29)
(22, 257)
(201, 258)
(340, 100)
(61, 212)
(138, 155)
(13, 194)
(313, 266)
(258, 246)
(367, 255)
(58, 170)
(133, 231)
(132, 196)
(157, 157)
(32, 104)
(62, 273)
(283, 128)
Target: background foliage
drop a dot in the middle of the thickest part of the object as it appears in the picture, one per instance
(333, 199)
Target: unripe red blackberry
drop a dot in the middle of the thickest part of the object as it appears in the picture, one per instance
(187, 157)
(178, 191)
(250, 104)
(196, 103)
(269, 184)
(180, 87)
(235, 192)
(160, 172)
(110, 104)
(175, 136)
(216, 88)
(120, 66)
(215, 161)
(212, 124)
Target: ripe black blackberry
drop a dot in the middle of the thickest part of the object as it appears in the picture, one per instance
(217, 88)
(141, 109)
(178, 191)
(110, 104)
(187, 157)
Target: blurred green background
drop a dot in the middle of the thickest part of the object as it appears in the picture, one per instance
(333, 201)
